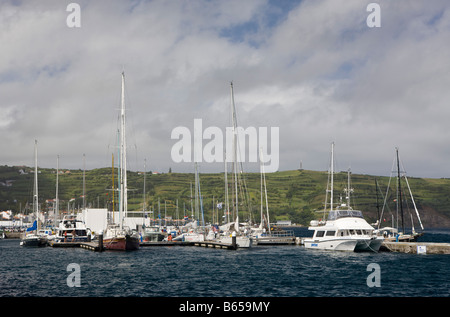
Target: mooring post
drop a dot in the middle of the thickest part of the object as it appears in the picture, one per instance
(100, 241)
(233, 240)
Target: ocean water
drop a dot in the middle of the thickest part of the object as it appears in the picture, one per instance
(262, 271)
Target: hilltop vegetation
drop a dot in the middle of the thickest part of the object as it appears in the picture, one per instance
(292, 195)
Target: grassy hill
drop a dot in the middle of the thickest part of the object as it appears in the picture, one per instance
(293, 195)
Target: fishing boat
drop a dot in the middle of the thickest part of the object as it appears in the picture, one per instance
(345, 229)
(32, 236)
(117, 236)
(393, 233)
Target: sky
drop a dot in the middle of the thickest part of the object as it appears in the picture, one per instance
(313, 69)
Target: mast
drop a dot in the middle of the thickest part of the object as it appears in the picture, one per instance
(400, 191)
(123, 205)
(235, 170)
(196, 181)
(143, 198)
(332, 175)
(378, 204)
(349, 190)
(263, 180)
(84, 180)
(227, 204)
(57, 184)
(113, 187)
(35, 196)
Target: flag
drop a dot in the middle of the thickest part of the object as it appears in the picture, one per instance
(33, 227)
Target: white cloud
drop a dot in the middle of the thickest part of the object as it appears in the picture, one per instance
(317, 72)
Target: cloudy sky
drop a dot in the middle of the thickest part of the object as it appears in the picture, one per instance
(314, 69)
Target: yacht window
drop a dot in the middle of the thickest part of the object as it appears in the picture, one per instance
(320, 233)
(358, 232)
(331, 233)
(352, 232)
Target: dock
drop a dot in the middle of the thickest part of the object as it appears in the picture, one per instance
(417, 247)
(92, 246)
(217, 245)
(96, 246)
(165, 243)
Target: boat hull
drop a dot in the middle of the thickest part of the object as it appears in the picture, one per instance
(332, 244)
(369, 245)
(34, 242)
(127, 243)
(241, 242)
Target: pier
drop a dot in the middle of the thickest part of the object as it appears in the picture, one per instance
(217, 245)
(92, 246)
(165, 243)
(416, 247)
(98, 245)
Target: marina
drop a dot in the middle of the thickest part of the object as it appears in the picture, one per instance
(386, 246)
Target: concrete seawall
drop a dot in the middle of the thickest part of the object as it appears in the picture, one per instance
(418, 247)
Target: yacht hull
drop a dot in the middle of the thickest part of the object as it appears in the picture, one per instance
(332, 244)
(34, 242)
(369, 245)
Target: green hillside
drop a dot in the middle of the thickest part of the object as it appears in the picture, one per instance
(292, 195)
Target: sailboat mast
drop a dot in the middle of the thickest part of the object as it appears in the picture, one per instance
(263, 179)
(123, 161)
(227, 203)
(143, 198)
(84, 181)
(233, 110)
(400, 190)
(35, 197)
(57, 189)
(332, 176)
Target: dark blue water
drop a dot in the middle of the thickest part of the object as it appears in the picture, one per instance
(282, 271)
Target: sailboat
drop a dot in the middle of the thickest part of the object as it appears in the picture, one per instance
(263, 235)
(33, 237)
(392, 233)
(117, 236)
(243, 240)
(345, 229)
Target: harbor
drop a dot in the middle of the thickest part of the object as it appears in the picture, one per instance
(167, 269)
(421, 247)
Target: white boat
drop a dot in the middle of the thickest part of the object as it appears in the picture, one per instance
(190, 237)
(242, 241)
(153, 234)
(118, 236)
(71, 229)
(32, 236)
(345, 229)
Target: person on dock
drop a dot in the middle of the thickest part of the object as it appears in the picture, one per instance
(73, 235)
